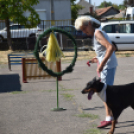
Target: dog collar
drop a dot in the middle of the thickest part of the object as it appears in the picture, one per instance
(102, 93)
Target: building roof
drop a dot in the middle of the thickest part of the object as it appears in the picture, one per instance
(101, 11)
(119, 15)
(85, 6)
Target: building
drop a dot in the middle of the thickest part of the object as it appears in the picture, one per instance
(107, 11)
(87, 7)
(53, 10)
(61, 9)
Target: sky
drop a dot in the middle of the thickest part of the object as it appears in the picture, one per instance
(98, 2)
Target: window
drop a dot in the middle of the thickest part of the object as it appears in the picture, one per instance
(14, 27)
(117, 28)
(108, 29)
(128, 28)
(69, 29)
(21, 26)
(125, 28)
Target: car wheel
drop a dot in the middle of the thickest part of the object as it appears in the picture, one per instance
(1, 39)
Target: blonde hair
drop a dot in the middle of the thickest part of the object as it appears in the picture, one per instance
(80, 21)
(84, 20)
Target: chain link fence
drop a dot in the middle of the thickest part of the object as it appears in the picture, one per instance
(25, 39)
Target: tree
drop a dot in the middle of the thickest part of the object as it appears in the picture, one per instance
(105, 4)
(74, 9)
(14, 10)
(128, 3)
(115, 6)
(122, 7)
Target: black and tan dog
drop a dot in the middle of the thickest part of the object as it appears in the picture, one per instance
(117, 97)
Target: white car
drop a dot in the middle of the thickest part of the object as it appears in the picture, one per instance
(18, 31)
(121, 33)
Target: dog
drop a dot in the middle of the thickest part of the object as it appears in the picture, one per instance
(117, 97)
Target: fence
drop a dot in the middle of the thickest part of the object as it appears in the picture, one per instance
(15, 58)
(31, 70)
(25, 39)
(43, 23)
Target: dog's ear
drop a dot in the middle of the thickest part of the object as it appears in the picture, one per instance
(94, 79)
(99, 79)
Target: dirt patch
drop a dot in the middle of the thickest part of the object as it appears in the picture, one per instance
(69, 55)
(3, 56)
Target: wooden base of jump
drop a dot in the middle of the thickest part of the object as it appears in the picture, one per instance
(31, 70)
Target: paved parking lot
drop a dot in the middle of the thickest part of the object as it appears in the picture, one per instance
(25, 108)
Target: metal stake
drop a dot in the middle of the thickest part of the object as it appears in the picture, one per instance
(57, 109)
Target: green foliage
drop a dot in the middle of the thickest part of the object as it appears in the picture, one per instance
(122, 7)
(14, 10)
(68, 96)
(128, 3)
(118, 7)
(93, 131)
(74, 9)
(87, 115)
(105, 4)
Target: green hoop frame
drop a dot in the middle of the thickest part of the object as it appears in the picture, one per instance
(42, 65)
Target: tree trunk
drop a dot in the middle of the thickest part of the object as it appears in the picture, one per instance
(9, 40)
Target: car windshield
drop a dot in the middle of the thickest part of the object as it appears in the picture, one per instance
(21, 26)
(14, 27)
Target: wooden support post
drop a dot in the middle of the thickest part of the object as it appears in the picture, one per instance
(24, 78)
(9, 64)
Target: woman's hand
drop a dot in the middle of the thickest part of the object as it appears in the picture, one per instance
(94, 60)
(99, 68)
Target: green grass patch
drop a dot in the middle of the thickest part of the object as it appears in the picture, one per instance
(92, 131)
(68, 96)
(127, 55)
(19, 92)
(63, 89)
(50, 90)
(86, 115)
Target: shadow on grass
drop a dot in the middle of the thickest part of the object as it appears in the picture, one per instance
(9, 83)
(95, 108)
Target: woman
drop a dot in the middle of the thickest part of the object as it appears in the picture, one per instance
(105, 54)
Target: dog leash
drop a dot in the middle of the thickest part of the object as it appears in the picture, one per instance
(89, 64)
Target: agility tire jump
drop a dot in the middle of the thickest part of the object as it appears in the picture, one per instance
(42, 65)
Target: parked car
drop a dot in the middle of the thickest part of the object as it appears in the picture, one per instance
(71, 29)
(80, 37)
(18, 31)
(121, 33)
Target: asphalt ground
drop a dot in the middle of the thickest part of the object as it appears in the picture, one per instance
(25, 108)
